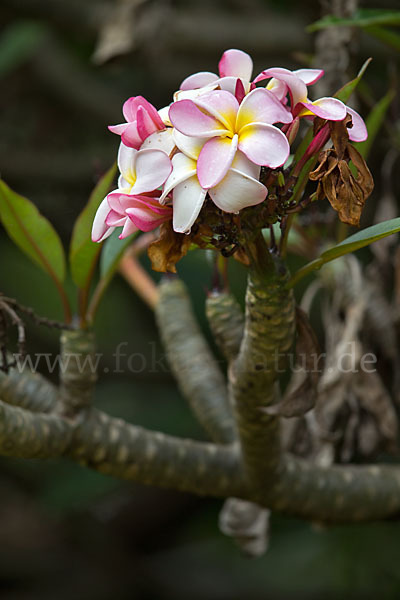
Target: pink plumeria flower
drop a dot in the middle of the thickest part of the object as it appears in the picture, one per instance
(228, 127)
(239, 188)
(142, 120)
(235, 69)
(135, 212)
(295, 82)
(142, 172)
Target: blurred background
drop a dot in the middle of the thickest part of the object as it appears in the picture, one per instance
(66, 532)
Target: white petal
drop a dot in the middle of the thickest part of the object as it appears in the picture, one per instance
(126, 160)
(160, 140)
(153, 168)
(189, 145)
(100, 230)
(242, 164)
(183, 167)
(228, 84)
(192, 94)
(236, 191)
(188, 199)
(123, 185)
(164, 115)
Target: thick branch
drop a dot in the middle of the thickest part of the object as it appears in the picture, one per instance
(192, 362)
(28, 390)
(226, 321)
(32, 435)
(117, 448)
(337, 493)
(268, 337)
(78, 371)
(109, 445)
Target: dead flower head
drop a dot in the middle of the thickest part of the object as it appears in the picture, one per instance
(345, 191)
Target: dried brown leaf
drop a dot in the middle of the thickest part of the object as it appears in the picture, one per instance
(170, 247)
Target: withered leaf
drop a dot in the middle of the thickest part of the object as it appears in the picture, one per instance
(346, 193)
(170, 247)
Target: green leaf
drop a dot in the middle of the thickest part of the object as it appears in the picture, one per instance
(361, 18)
(351, 244)
(32, 233)
(374, 122)
(18, 42)
(346, 91)
(113, 249)
(83, 252)
(388, 37)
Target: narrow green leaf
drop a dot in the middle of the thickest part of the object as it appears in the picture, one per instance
(346, 91)
(361, 18)
(83, 252)
(388, 37)
(113, 249)
(374, 122)
(32, 233)
(351, 244)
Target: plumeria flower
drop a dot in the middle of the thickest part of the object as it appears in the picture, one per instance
(135, 212)
(235, 69)
(131, 206)
(217, 119)
(283, 81)
(142, 120)
(239, 188)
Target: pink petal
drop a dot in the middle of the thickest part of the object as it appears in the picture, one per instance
(188, 199)
(152, 169)
(146, 219)
(236, 191)
(215, 159)
(131, 106)
(145, 125)
(326, 108)
(265, 145)
(100, 230)
(118, 129)
(239, 90)
(130, 136)
(198, 80)
(357, 133)
(221, 105)
(114, 219)
(235, 63)
(183, 168)
(261, 106)
(128, 229)
(309, 76)
(297, 87)
(114, 202)
(190, 120)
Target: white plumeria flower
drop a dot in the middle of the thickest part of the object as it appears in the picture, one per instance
(235, 69)
(238, 189)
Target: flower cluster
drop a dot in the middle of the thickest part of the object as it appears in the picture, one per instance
(211, 143)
